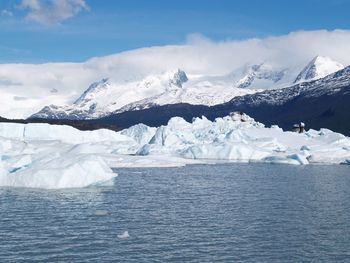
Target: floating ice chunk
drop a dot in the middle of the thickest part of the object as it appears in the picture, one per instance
(224, 151)
(167, 136)
(295, 159)
(101, 213)
(3, 171)
(304, 148)
(149, 161)
(299, 158)
(227, 139)
(276, 127)
(146, 149)
(65, 172)
(141, 133)
(178, 122)
(20, 161)
(67, 134)
(5, 145)
(201, 122)
(125, 235)
(129, 147)
(44, 156)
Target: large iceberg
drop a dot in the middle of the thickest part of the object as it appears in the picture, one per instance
(242, 139)
(51, 165)
(78, 171)
(51, 156)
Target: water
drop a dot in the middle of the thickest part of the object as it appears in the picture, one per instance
(216, 213)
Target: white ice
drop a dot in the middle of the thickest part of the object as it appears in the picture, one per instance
(52, 157)
(125, 235)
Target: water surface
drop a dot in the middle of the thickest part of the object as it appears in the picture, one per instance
(200, 213)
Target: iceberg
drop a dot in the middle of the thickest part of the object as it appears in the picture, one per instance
(61, 173)
(64, 133)
(55, 157)
(51, 164)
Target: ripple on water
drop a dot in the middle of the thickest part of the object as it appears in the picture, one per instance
(226, 212)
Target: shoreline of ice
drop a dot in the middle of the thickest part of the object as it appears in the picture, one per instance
(54, 157)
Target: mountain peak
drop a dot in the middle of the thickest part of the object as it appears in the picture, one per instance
(179, 78)
(99, 85)
(262, 71)
(318, 67)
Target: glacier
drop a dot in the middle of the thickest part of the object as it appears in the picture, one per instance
(54, 157)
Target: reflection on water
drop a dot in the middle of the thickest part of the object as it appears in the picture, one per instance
(225, 212)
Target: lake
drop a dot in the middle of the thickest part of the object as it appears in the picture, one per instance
(199, 213)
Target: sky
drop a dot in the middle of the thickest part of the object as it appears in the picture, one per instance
(36, 31)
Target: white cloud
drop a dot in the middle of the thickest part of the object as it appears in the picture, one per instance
(202, 56)
(52, 11)
(198, 56)
(197, 39)
(6, 12)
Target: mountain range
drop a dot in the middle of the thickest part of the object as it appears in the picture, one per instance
(318, 95)
(322, 103)
(106, 97)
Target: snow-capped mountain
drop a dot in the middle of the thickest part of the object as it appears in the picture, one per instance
(322, 103)
(318, 68)
(261, 76)
(105, 96)
(108, 96)
(27, 88)
(312, 89)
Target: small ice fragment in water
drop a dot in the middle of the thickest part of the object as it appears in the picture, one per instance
(125, 235)
(101, 212)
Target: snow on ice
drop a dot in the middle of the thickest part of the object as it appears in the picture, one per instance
(52, 157)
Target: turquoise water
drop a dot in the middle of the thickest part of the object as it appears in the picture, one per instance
(214, 213)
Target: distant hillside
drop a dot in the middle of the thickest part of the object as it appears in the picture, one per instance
(80, 125)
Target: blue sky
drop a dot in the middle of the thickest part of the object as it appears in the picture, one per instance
(75, 30)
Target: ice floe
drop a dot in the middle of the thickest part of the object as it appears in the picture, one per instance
(125, 235)
(52, 157)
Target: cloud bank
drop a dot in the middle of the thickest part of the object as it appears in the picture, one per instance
(204, 56)
(198, 56)
(52, 11)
